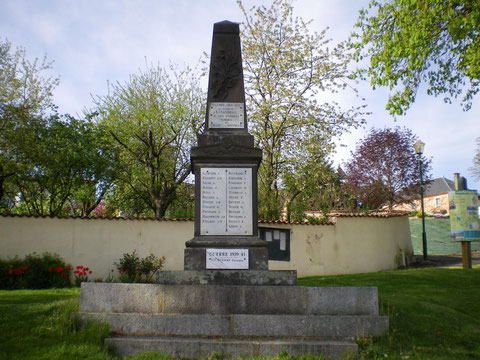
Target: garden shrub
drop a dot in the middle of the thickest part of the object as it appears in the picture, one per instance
(134, 269)
(35, 272)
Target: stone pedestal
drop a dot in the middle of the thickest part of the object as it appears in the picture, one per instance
(192, 321)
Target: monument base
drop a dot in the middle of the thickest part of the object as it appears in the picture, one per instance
(196, 259)
(191, 321)
(228, 277)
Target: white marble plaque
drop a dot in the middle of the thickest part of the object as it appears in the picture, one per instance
(226, 201)
(227, 259)
(224, 115)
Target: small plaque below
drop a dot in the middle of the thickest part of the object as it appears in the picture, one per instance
(236, 259)
(226, 115)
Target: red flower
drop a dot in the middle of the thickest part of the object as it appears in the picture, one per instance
(64, 274)
(51, 269)
(18, 271)
(25, 268)
(98, 280)
(87, 269)
(79, 267)
(112, 270)
(90, 272)
(10, 271)
(68, 267)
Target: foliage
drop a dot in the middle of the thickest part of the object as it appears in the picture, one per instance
(384, 168)
(476, 162)
(135, 269)
(25, 96)
(286, 70)
(315, 185)
(35, 272)
(72, 166)
(152, 120)
(81, 274)
(413, 42)
(183, 207)
(433, 313)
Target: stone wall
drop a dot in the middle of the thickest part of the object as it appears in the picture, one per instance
(351, 245)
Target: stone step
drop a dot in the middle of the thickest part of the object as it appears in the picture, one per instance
(227, 299)
(305, 326)
(228, 277)
(181, 347)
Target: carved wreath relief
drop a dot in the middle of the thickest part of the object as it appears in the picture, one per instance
(226, 71)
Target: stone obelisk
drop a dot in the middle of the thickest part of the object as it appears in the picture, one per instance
(226, 300)
(225, 164)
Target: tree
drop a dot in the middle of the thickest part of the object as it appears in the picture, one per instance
(153, 120)
(476, 162)
(384, 168)
(287, 68)
(25, 96)
(315, 186)
(72, 164)
(413, 42)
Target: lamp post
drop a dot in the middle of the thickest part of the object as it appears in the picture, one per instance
(418, 146)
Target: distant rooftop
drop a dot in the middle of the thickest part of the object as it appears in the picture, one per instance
(439, 186)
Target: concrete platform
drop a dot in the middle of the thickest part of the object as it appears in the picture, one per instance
(192, 321)
(223, 299)
(228, 277)
(291, 326)
(202, 347)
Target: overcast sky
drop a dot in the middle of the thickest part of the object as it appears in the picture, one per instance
(95, 41)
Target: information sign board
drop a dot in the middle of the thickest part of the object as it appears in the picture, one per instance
(464, 221)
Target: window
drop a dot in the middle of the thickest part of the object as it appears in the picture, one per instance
(438, 201)
(278, 243)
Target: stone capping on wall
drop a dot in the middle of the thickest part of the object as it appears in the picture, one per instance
(371, 213)
(333, 214)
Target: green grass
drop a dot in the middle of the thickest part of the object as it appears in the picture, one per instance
(438, 237)
(434, 314)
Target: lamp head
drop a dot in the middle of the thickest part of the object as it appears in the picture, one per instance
(418, 146)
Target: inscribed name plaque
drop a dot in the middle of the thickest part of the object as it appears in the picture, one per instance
(226, 201)
(227, 259)
(224, 115)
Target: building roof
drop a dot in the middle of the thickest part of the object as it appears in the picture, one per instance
(439, 186)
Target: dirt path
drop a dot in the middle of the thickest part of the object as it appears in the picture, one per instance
(452, 260)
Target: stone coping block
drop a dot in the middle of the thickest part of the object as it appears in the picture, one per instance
(227, 299)
(191, 348)
(227, 277)
(301, 326)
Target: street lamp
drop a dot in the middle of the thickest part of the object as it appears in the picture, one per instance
(418, 146)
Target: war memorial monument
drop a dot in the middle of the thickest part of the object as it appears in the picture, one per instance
(226, 300)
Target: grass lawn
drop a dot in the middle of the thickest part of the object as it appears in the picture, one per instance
(434, 314)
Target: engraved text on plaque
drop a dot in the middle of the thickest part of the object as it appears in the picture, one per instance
(227, 259)
(226, 115)
(226, 201)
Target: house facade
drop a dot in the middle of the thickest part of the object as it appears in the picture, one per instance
(435, 198)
